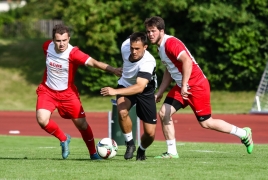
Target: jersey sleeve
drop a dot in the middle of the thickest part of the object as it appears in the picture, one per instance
(147, 67)
(45, 46)
(125, 49)
(78, 57)
(174, 47)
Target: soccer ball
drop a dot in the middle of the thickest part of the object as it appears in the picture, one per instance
(107, 148)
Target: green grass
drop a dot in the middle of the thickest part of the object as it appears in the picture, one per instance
(21, 70)
(39, 158)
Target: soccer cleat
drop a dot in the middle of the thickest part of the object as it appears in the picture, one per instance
(95, 156)
(247, 140)
(167, 155)
(129, 152)
(65, 147)
(140, 155)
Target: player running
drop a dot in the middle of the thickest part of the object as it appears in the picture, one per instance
(58, 91)
(192, 88)
(136, 86)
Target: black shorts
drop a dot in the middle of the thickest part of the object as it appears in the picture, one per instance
(145, 104)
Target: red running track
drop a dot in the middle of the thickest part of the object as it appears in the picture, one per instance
(187, 127)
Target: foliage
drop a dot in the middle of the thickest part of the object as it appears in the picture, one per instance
(227, 38)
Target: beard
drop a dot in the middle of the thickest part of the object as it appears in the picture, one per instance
(157, 40)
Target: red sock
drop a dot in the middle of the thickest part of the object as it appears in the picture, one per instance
(89, 139)
(53, 129)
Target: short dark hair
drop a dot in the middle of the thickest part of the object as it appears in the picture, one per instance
(60, 29)
(139, 36)
(156, 21)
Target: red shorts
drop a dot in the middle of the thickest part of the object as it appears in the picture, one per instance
(199, 100)
(67, 101)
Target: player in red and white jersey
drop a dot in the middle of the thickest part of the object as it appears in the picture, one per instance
(136, 86)
(192, 88)
(58, 91)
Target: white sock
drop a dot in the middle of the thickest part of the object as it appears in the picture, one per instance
(128, 136)
(171, 144)
(142, 148)
(239, 132)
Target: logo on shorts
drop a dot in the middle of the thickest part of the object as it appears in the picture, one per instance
(82, 112)
(201, 118)
(198, 111)
(154, 119)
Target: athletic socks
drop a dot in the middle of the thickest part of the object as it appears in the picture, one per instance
(128, 136)
(239, 132)
(88, 138)
(53, 129)
(171, 145)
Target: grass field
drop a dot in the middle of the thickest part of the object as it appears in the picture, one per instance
(37, 158)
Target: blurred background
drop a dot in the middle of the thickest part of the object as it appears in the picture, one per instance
(229, 40)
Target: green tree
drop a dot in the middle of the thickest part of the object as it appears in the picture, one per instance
(227, 38)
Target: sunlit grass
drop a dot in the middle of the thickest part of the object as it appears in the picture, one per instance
(40, 158)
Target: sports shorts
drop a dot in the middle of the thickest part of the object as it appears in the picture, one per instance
(67, 101)
(199, 100)
(145, 105)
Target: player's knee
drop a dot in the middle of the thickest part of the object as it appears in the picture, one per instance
(150, 135)
(164, 117)
(206, 123)
(42, 120)
(123, 114)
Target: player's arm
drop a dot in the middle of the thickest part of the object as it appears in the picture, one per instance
(166, 80)
(141, 83)
(103, 66)
(187, 64)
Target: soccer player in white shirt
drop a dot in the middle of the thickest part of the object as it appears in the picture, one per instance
(58, 91)
(192, 88)
(136, 86)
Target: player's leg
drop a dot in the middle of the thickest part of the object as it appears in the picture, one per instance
(172, 103)
(147, 139)
(146, 111)
(87, 135)
(123, 106)
(202, 108)
(71, 108)
(44, 107)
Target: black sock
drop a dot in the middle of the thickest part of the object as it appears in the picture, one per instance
(140, 151)
(131, 142)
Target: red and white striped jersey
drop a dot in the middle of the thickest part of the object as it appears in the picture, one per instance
(61, 67)
(169, 51)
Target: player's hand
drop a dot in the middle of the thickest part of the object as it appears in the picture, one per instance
(185, 93)
(158, 97)
(108, 91)
(118, 71)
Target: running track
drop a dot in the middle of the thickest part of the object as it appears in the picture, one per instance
(187, 128)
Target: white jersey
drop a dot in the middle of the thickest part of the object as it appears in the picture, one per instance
(130, 69)
(61, 67)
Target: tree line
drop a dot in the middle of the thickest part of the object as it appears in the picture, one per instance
(229, 39)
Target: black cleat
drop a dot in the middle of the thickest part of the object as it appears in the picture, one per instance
(140, 155)
(129, 152)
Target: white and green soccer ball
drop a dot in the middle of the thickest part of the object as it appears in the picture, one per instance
(107, 148)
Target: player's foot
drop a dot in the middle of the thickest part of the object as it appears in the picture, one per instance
(167, 155)
(140, 155)
(65, 147)
(247, 140)
(129, 152)
(95, 156)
